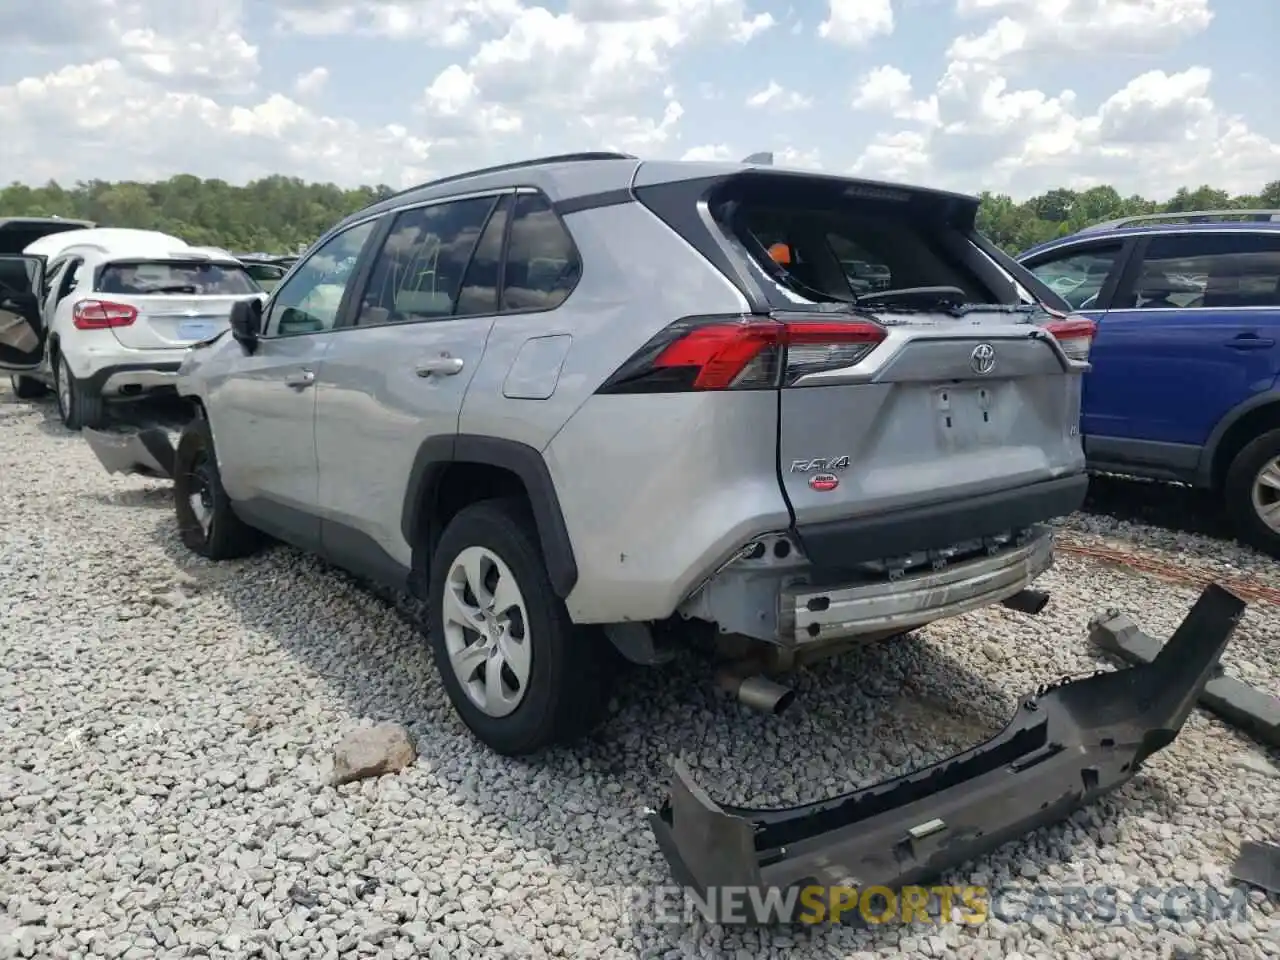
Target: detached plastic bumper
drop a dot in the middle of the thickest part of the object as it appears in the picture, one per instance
(1068, 744)
(147, 452)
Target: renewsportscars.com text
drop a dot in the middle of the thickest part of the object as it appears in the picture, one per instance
(933, 904)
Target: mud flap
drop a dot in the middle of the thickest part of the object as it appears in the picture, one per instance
(146, 452)
(1068, 744)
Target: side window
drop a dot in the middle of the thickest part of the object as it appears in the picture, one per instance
(542, 265)
(70, 279)
(1220, 270)
(53, 274)
(1078, 276)
(418, 273)
(309, 302)
(479, 294)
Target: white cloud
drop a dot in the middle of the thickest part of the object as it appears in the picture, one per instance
(1159, 132)
(800, 159)
(132, 89)
(1095, 27)
(776, 97)
(446, 23)
(889, 89)
(312, 82)
(134, 130)
(708, 152)
(856, 22)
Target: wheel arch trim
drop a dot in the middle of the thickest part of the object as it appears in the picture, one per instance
(430, 464)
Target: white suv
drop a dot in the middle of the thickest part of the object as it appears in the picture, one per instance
(110, 312)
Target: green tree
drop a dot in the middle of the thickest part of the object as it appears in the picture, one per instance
(283, 214)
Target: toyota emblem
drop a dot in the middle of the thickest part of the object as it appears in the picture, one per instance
(983, 358)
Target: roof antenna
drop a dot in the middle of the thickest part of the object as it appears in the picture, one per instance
(763, 159)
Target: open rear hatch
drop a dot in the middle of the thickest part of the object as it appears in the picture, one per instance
(21, 326)
(935, 412)
(1068, 744)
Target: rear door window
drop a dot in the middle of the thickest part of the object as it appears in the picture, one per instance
(542, 265)
(418, 273)
(160, 277)
(1208, 270)
(1077, 275)
(479, 294)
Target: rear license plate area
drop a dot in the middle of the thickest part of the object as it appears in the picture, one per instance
(197, 329)
(965, 414)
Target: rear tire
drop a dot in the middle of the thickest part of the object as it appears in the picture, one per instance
(78, 405)
(206, 522)
(27, 388)
(1252, 493)
(554, 676)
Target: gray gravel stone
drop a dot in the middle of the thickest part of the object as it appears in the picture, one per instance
(164, 765)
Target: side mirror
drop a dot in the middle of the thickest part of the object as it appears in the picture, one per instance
(246, 322)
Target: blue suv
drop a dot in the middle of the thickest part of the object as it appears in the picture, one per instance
(1185, 383)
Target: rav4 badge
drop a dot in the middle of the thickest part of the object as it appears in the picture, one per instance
(822, 482)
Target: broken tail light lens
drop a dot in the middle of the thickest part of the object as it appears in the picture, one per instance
(102, 315)
(1074, 335)
(743, 353)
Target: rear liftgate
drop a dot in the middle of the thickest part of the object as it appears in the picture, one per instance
(1068, 744)
(147, 452)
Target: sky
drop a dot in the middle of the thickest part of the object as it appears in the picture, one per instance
(1013, 96)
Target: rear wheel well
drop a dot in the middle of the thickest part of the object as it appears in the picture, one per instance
(1239, 435)
(459, 485)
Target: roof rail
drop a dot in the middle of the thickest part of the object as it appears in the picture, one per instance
(1188, 216)
(518, 164)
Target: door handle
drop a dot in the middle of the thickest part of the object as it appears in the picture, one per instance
(300, 380)
(1250, 341)
(445, 366)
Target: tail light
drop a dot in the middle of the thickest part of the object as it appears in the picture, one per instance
(742, 353)
(102, 315)
(1075, 336)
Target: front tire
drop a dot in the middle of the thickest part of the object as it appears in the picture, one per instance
(520, 674)
(27, 388)
(78, 405)
(206, 522)
(1252, 493)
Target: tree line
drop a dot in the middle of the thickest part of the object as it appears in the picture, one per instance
(281, 214)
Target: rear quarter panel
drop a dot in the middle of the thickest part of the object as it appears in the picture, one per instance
(637, 277)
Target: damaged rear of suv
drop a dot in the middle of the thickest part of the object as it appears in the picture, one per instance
(590, 391)
(920, 434)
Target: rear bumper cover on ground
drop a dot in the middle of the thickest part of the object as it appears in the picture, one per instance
(147, 452)
(1068, 744)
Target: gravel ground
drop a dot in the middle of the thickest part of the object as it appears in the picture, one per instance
(168, 725)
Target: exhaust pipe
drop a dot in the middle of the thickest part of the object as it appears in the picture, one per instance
(759, 693)
(1027, 601)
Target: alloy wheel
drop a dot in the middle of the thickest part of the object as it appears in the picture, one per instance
(1266, 494)
(486, 631)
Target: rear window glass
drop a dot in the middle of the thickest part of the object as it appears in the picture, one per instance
(821, 246)
(175, 277)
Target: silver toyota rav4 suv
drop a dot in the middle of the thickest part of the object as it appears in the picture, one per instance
(591, 397)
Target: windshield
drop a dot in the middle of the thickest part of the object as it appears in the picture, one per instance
(141, 277)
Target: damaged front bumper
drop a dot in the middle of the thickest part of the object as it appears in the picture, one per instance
(1068, 744)
(146, 452)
